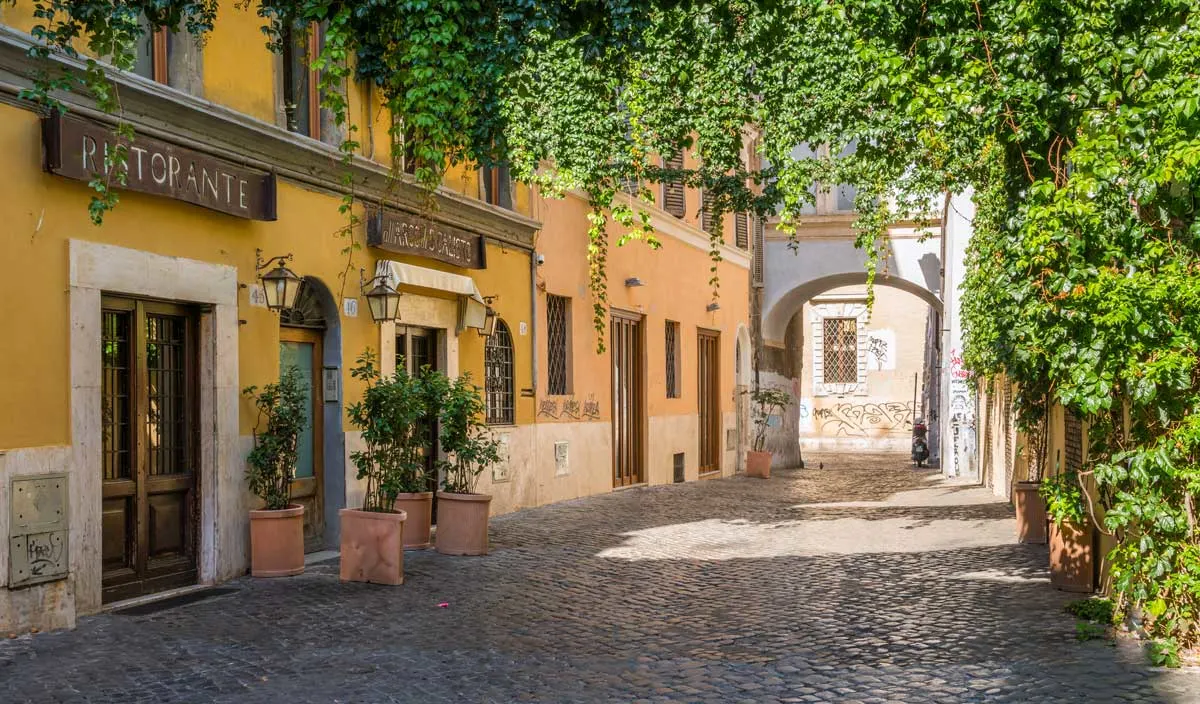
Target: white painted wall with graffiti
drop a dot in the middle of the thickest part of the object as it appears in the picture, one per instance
(865, 374)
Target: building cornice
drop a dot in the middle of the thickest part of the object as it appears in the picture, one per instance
(170, 114)
(841, 226)
(666, 224)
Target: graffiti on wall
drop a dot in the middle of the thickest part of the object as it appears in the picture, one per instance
(860, 420)
(569, 409)
(881, 350)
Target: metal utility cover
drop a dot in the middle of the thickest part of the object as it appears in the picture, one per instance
(39, 530)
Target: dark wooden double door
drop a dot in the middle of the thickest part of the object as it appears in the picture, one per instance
(708, 348)
(626, 345)
(150, 447)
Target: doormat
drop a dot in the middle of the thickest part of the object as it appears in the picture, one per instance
(154, 607)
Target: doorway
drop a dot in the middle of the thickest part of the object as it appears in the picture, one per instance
(301, 348)
(626, 343)
(149, 438)
(416, 349)
(708, 345)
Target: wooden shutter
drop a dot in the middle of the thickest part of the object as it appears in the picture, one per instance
(759, 245)
(741, 230)
(672, 191)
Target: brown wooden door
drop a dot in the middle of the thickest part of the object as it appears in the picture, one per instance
(150, 447)
(301, 348)
(628, 398)
(708, 346)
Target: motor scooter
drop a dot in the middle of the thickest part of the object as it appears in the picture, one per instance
(920, 445)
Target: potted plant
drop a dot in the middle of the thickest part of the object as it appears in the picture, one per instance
(462, 513)
(1028, 503)
(1071, 559)
(387, 414)
(765, 403)
(276, 529)
(414, 496)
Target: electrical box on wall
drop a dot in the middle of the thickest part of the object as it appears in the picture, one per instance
(39, 530)
(561, 463)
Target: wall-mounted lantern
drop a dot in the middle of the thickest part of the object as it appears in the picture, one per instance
(382, 300)
(490, 318)
(280, 285)
(712, 307)
(634, 281)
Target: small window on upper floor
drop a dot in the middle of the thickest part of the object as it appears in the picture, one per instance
(673, 194)
(301, 99)
(151, 52)
(741, 230)
(497, 185)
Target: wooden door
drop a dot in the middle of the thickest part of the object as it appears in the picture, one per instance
(301, 348)
(150, 446)
(708, 346)
(626, 343)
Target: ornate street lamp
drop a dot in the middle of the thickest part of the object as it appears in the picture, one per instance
(382, 300)
(280, 285)
(489, 319)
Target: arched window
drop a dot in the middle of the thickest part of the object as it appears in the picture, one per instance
(498, 375)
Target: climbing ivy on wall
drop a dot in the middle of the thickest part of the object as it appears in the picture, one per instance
(1076, 124)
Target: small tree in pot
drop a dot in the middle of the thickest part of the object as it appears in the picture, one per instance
(1071, 558)
(389, 415)
(463, 514)
(277, 529)
(765, 403)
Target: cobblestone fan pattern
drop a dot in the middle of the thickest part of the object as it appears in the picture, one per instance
(864, 581)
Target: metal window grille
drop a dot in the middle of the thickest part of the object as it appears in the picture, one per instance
(841, 350)
(117, 407)
(741, 230)
(1073, 443)
(558, 319)
(166, 418)
(498, 375)
(672, 348)
(673, 200)
(759, 247)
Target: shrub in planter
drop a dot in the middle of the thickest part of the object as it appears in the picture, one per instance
(764, 404)
(1071, 556)
(390, 415)
(471, 447)
(277, 529)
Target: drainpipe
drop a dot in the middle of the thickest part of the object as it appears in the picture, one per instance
(533, 318)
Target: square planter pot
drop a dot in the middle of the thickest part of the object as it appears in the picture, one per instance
(1031, 513)
(758, 464)
(462, 523)
(277, 542)
(372, 546)
(419, 507)
(1071, 557)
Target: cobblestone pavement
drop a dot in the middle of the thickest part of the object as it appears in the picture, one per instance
(864, 581)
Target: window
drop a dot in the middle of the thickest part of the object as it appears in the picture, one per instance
(706, 217)
(672, 191)
(741, 230)
(301, 102)
(759, 250)
(673, 356)
(497, 186)
(558, 344)
(498, 375)
(841, 350)
(150, 56)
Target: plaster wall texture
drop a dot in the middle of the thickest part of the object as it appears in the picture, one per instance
(959, 424)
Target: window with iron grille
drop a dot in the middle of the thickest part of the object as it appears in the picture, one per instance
(673, 198)
(673, 355)
(841, 350)
(1073, 444)
(498, 375)
(558, 344)
(741, 230)
(760, 242)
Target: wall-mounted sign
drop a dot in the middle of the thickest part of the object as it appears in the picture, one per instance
(406, 233)
(331, 380)
(76, 148)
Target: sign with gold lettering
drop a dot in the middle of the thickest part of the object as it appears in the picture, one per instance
(406, 233)
(76, 148)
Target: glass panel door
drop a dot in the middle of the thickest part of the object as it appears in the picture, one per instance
(300, 355)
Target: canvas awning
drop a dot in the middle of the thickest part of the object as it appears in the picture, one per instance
(472, 309)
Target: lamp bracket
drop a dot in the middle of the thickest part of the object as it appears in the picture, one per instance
(260, 263)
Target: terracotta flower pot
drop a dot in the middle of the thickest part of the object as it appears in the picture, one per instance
(1071, 557)
(277, 542)
(758, 464)
(1031, 513)
(419, 507)
(462, 523)
(372, 546)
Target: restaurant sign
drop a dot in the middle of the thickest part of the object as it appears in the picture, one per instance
(76, 148)
(407, 233)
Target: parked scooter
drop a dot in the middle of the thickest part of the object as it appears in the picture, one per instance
(920, 443)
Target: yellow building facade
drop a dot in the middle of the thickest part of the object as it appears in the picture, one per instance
(124, 431)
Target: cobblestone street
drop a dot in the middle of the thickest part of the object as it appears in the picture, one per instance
(862, 581)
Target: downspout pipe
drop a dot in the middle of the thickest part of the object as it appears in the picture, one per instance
(533, 318)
